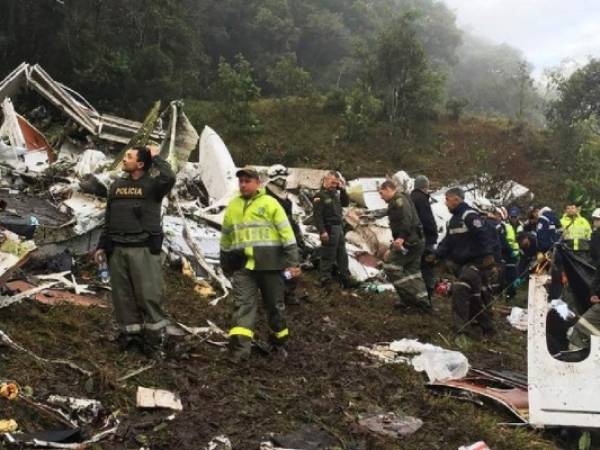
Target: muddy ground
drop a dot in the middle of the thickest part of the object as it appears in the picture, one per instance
(325, 382)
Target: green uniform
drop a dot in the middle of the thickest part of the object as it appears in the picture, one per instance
(403, 268)
(132, 239)
(328, 217)
(257, 244)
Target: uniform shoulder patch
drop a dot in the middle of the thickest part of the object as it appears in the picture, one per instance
(399, 202)
(477, 223)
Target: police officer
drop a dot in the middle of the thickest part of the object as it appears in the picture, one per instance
(327, 212)
(468, 245)
(276, 188)
(577, 231)
(258, 249)
(403, 260)
(421, 199)
(132, 241)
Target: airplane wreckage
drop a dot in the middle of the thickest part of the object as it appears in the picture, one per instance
(52, 202)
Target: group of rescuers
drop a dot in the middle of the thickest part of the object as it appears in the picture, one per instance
(261, 243)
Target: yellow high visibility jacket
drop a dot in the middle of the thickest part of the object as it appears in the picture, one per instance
(258, 231)
(511, 237)
(577, 232)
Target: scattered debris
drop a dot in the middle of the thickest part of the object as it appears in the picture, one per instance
(391, 424)
(157, 398)
(310, 437)
(439, 364)
(506, 389)
(518, 318)
(480, 445)
(219, 443)
(85, 410)
(8, 426)
(9, 391)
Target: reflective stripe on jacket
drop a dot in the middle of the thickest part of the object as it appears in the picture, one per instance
(577, 232)
(259, 228)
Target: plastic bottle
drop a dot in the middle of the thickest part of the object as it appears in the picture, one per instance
(103, 273)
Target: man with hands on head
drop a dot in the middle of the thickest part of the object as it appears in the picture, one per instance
(131, 243)
(328, 217)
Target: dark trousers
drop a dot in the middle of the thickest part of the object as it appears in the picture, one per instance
(248, 288)
(333, 254)
(471, 297)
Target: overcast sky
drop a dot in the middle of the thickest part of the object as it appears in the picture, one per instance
(547, 31)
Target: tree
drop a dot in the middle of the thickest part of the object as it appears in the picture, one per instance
(288, 79)
(402, 77)
(235, 88)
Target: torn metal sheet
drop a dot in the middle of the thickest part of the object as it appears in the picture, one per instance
(560, 393)
(157, 398)
(217, 170)
(89, 162)
(361, 272)
(13, 253)
(514, 399)
(89, 211)
(364, 192)
(86, 410)
(27, 149)
(181, 138)
(299, 177)
(72, 104)
(373, 236)
(45, 294)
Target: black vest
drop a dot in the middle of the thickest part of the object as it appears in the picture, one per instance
(133, 207)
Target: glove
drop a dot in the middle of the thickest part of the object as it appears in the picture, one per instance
(488, 262)
(516, 254)
(518, 282)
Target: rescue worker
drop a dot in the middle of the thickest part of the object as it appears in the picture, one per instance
(276, 188)
(468, 246)
(577, 231)
(403, 260)
(131, 242)
(422, 201)
(595, 240)
(548, 231)
(492, 221)
(589, 323)
(258, 249)
(530, 225)
(328, 217)
(511, 228)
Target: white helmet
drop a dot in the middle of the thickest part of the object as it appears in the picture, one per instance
(596, 214)
(277, 171)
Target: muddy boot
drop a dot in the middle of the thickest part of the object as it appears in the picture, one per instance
(291, 300)
(239, 349)
(130, 343)
(279, 353)
(154, 344)
(349, 283)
